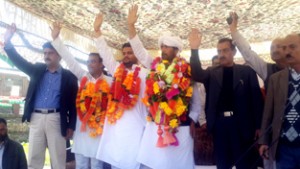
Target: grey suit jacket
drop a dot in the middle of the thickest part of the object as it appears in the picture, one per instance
(273, 115)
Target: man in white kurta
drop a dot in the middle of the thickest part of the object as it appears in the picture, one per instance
(84, 146)
(170, 157)
(120, 142)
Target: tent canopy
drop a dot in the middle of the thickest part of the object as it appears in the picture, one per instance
(258, 20)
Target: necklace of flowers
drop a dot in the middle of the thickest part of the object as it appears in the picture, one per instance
(91, 104)
(124, 92)
(168, 93)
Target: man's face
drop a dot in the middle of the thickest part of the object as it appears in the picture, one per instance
(292, 49)
(94, 65)
(51, 57)
(277, 50)
(168, 52)
(129, 57)
(225, 54)
(3, 132)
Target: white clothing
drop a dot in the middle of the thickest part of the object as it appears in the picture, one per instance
(171, 157)
(120, 142)
(146, 60)
(83, 143)
(170, 40)
(83, 162)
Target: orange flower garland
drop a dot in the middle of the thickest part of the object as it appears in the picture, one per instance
(91, 104)
(124, 92)
(168, 93)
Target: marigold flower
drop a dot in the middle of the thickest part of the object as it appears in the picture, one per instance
(173, 123)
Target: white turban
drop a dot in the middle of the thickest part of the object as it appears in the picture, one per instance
(170, 40)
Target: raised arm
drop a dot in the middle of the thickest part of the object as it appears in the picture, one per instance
(137, 46)
(64, 52)
(105, 52)
(13, 55)
(198, 73)
(251, 58)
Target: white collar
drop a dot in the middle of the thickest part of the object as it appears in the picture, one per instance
(92, 79)
(294, 74)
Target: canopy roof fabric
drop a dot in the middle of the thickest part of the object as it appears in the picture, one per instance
(258, 20)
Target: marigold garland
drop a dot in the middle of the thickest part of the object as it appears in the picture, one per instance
(168, 93)
(124, 92)
(91, 104)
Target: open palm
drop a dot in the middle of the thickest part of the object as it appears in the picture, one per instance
(132, 15)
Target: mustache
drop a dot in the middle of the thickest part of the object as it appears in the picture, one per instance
(222, 57)
(47, 59)
(164, 54)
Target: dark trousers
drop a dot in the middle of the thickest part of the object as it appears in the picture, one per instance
(288, 157)
(230, 146)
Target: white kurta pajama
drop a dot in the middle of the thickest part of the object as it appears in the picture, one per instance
(120, 142)
(83, 144)
(171, 157)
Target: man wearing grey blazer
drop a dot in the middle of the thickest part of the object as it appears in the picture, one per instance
(281, 122)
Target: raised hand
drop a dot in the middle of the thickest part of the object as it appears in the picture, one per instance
(195, 39)
(55, 30)
(233, 25)
(10, 30)
(132, 15)
(98, 22)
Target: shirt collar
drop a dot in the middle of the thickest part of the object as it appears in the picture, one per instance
(294, 74)
(92, 79)
(133, 67)
(58, 70)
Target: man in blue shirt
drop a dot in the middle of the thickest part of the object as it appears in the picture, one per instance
(50, 104)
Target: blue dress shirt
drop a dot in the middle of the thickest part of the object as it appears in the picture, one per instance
(48, 92)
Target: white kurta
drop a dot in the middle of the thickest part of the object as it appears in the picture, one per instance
(120, 142)
(83, 143)
(202, 117)
(171, 157)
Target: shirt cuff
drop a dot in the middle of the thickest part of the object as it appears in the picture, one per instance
(194, 52)
(8, 45)
(99, 39)
(194, 116)
(135, 39)
(235, 34)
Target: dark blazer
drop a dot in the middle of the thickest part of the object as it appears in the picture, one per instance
(248, 100)
(68, 89)
(274, 110)
(13, 156)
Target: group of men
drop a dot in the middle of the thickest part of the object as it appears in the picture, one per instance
(144, 117)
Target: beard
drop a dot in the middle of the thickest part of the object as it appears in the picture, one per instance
(3, 137)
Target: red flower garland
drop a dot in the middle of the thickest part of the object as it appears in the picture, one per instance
(124, 92)
(91, 104)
